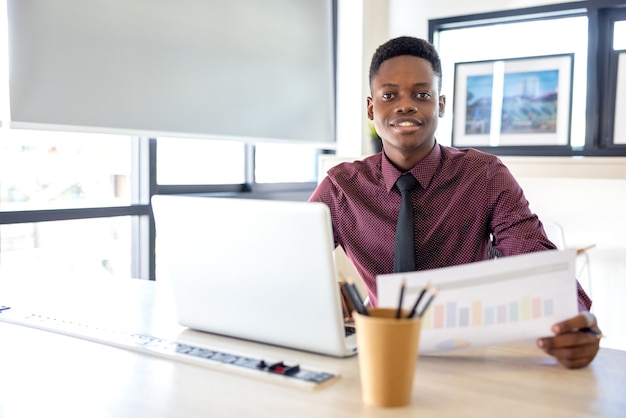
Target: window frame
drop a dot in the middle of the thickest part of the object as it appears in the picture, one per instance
(608, 83)
(601, 70)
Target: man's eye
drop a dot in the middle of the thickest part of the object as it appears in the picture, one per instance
(387, 96)
(423, 96)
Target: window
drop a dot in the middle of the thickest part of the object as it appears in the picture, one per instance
(276, 163)
(54, 172)
(57, 170)
(619, 35)
(526, 37)
(92, 247)
(618, 63)
(197, 161)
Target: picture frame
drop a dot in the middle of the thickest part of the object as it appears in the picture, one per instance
(513, 102)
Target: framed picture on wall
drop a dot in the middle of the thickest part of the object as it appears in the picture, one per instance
(513, 102)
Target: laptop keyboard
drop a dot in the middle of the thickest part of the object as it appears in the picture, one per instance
(349, 329)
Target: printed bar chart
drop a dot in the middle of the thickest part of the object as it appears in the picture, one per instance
(510, 299)
(479, 314)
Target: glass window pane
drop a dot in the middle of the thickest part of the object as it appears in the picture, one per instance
(200, 161)
(57, 170)
(4, 64)
(619, 35)
(90, 247)
(619, 130)
(285, 163)
(523, 39)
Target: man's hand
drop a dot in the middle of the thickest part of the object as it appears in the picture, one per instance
(576, 341)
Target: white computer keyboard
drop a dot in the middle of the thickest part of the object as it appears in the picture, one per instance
(270, 370)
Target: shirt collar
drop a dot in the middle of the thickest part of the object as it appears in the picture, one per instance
(423, 171)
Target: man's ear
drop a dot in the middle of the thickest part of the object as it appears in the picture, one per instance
(370, 108)
(442, 105)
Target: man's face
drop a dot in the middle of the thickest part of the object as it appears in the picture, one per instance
(405, 107)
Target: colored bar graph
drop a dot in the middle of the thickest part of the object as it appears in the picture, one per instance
(501, 314)
(513, 311)
(427, 319)
(525, 308)
(464, 314)
(547, 307)
(490, 318)
(451, 315)
(477, 313)
(438, 316)
(536, 307)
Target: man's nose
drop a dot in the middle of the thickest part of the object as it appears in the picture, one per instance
(406, 106)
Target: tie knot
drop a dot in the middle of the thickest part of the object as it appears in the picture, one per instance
(406, 182)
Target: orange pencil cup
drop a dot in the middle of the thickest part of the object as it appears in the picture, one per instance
(388, 351)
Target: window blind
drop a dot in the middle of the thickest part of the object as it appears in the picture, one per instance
(236, 69)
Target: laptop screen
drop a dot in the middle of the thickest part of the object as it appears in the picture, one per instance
(261, 270)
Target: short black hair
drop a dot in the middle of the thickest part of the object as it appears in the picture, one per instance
(405, 45)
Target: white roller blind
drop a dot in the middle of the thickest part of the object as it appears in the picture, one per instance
(241, 69)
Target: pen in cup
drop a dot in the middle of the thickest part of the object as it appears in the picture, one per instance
(401, 299)
(419, 298)
(414, 309)
(428, 302)
(350, 289)
(357, 296)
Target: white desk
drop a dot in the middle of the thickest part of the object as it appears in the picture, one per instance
(48, 374)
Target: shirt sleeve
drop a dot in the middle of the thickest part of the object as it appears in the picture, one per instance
(584, 301)
(326, 192)
(515, 229)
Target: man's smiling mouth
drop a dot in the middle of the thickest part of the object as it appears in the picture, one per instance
(406, 123)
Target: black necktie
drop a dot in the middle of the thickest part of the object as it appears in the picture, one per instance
(404, 249)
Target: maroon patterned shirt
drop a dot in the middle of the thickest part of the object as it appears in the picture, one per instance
(463, 197)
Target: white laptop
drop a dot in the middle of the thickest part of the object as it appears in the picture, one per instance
(261, 270)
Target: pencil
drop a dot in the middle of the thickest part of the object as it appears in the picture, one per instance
(595, 333)
(428, 302)
(419, 298)
(355, 298)
(360, 305)
(399, 311)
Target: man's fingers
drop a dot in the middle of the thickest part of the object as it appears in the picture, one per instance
(567, 340)
(584, 320)
(576, 341)
(572, 357)
(590, 318)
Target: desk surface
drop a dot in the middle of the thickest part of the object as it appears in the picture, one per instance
(48, 374)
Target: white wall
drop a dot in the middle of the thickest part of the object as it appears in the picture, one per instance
(349, 77)
(363, 25)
